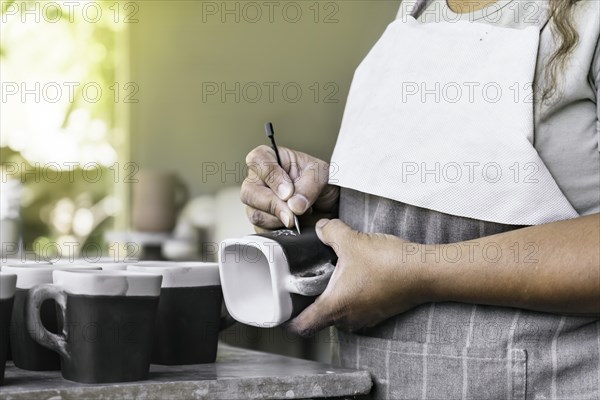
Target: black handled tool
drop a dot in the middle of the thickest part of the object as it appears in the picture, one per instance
(271, 135)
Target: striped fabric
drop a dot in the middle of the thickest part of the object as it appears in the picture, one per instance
(465, 351)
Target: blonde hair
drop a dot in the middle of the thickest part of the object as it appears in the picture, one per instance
(566, 37)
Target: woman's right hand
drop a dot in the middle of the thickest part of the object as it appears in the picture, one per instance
(274, 194)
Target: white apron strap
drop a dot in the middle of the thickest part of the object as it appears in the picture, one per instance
(419, 7)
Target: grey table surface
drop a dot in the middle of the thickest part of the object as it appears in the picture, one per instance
(237, 374)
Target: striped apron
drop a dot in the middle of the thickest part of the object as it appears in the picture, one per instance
(465, 351)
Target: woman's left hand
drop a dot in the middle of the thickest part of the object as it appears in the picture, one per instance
(378, 276)
(371, 281)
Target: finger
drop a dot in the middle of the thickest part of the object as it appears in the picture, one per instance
(310, 321)
(334, 233)
(262, 198)
(310, 183)
(262, 161)
(262, 219)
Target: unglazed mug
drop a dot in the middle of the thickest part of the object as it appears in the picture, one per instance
(157, 197)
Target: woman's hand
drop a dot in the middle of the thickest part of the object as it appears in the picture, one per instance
(370, 283)
(273, 195)
(549, 268)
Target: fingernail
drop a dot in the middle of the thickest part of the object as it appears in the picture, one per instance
(285, 219)
(298, 204)
(284, 191)
(321, 223)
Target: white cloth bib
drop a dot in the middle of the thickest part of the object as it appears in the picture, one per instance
(440, 116)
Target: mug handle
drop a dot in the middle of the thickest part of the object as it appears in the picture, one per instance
(36, 296)
(312, 285)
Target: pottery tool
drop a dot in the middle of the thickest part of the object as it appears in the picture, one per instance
(271, 135)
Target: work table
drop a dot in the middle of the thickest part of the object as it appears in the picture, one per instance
(238, 373)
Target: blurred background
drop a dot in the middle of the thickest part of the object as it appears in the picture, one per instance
(124, 125)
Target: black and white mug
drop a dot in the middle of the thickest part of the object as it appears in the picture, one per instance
(189, 311)
(269, 278)
(26, 353)
(20, 262)
(8, 284)
(108, 318)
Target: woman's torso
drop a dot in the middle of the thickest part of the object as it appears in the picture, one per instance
(455, 350)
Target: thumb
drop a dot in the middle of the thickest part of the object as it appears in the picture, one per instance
(310, 321)
(334, 233)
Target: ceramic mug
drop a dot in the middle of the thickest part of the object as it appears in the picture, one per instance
(23, 262)
(188, 320)
(8, 284)
(108, 320)
(157, 197)
(20, 262)
(269, 278)
(25, 352)
(105, 264)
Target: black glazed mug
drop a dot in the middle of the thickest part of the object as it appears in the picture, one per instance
(188, 320)
(26, 353)
(20, 262)
(108, 318)
(8, 284)
(269, 278)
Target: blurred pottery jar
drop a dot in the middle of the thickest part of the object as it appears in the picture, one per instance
(157, 198)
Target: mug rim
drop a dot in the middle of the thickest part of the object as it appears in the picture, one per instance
(100, 282)
(116, 265)
(46, 267)
(166, 263)
(29, 276)
(105, 272)
(101, 260)
(8, 285)
(17, 262)
(182, 274)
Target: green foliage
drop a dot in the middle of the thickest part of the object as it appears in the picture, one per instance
(67, 49)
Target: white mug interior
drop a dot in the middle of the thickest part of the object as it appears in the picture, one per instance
(254, 278)
(107, 283)
(181, 274)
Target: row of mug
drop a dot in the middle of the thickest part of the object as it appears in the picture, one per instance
(106, 322)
